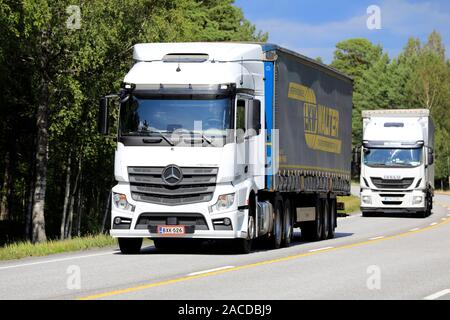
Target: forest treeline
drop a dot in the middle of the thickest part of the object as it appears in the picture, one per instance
(56, 171)
(419, 77)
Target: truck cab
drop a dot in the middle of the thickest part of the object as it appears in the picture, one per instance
(397, 171)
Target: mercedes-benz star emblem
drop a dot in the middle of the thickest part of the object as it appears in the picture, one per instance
(172, 175)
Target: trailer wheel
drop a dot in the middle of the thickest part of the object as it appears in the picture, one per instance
(326, 219)
(333, 213)
(130, 245)
(312, 230)
(277, 232)
(288, 229)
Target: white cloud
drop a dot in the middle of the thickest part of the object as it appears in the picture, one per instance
(399, 20)
(414, 19)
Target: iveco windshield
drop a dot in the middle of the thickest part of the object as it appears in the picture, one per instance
(140, 117)
(387, 157)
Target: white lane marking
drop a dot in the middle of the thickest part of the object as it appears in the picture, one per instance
(320, 249)
(55, 260)
(437, 295)
(415, 229)
(210, 270)
(433, 224)
(376, 238)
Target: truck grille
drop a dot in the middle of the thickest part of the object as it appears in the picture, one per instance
(196, 185)
(392, 184)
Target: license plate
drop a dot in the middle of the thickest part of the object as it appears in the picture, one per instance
(171, 230)
(390, 199)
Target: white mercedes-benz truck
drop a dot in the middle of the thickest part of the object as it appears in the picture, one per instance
(230, 141)
(397, 171)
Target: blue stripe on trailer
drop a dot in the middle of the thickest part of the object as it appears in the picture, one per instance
(268, 102)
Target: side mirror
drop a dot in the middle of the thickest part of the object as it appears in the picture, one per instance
(254, 116)
(103, 116)
(430, 156)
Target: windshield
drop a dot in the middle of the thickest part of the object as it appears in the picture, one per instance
(385, 157)
(140, 116)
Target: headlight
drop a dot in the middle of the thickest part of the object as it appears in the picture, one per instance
(224, 202)
(417, 199)
(367, 199)
(121, 202)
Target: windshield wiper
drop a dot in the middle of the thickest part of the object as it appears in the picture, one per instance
(204, 138)
(164, 137)
(149, 133)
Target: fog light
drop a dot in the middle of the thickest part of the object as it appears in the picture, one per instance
(417, 199)
(367, 199)
(117, 220)
(227, 221)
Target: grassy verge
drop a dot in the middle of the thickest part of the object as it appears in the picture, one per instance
(351, 204)
(26, 249)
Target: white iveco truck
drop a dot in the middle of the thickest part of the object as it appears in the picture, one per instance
(397, 171)
(230, 141)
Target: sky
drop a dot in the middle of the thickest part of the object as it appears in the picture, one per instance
(313, 27)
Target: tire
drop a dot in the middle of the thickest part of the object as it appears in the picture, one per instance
(326, 219)
(366, 214)
(277, 231)
(245, 245)
(429, 205)
(312, 230)
(288, 229)
(130, 245)
(333, 213)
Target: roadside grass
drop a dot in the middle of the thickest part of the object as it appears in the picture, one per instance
(351, 205)
(27, 249)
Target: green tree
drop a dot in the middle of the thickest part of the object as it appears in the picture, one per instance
(52, 77)
(354, 56)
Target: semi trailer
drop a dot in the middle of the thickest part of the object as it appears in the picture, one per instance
(236, 141)
(397, 170)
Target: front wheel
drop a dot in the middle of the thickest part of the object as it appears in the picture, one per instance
(130, 245)
(245, 245)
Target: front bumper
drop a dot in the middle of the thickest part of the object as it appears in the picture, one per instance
(392, 210)
(135, 228)
(383, 201)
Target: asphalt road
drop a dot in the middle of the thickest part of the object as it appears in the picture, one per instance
(370, 258)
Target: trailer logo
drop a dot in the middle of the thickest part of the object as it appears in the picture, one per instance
(321, 123)
(172, 175)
